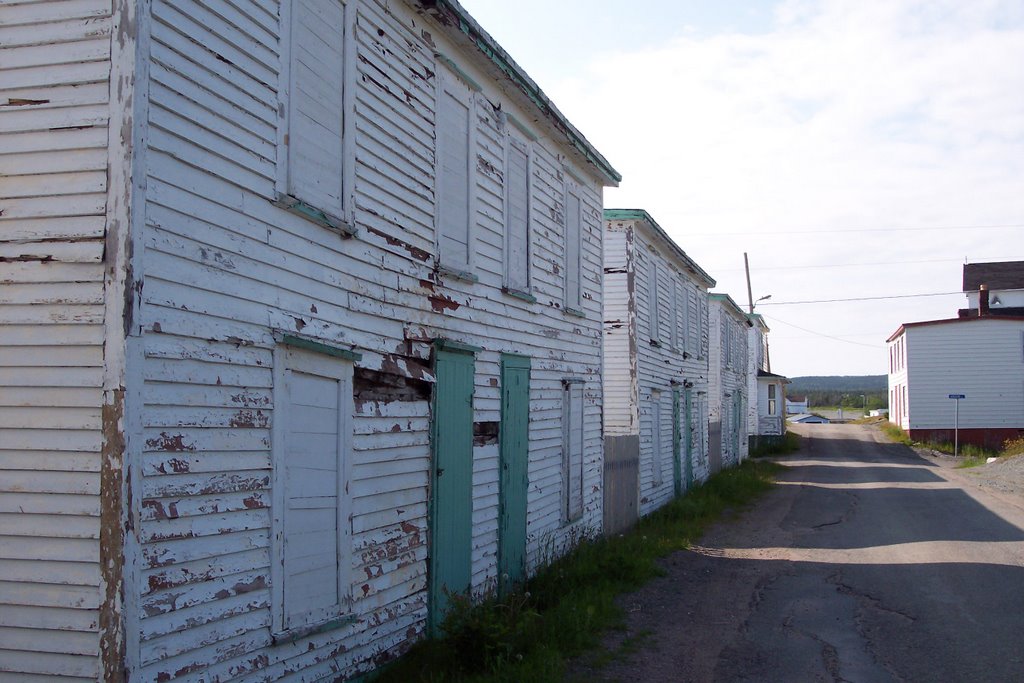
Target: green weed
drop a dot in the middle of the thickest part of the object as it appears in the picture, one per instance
(563, 610)
(789, 443)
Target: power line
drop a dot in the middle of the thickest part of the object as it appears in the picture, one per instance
(858, 298)
(892, 228)
(822, 334)
(854, 265)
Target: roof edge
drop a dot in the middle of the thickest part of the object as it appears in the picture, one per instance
(725, 298)
(642, 215)
(949, 321)
(452, 16)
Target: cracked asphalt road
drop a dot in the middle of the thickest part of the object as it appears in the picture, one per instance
(867, 563)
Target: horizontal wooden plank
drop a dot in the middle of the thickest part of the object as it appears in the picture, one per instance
(46, 665)
(50, 525)
(52, 397)
(51, 418)
(29, 481)
(71, 251)
(49, 595)
(50, 640)
(49, 618)
(57, 573)
(49, 503)
(57, 549)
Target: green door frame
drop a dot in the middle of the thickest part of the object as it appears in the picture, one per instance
(688, 448)
(513, 480)
(451, 478)
(677, 468)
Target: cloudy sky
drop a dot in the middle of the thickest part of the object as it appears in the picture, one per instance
(853, 148)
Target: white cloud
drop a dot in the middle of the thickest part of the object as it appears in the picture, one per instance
(845, 114)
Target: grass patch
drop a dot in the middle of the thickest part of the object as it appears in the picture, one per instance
(789, 443)
(563, 610)
(896, 434)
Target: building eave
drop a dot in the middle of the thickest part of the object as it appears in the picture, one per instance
(643, 216)
(465, 30)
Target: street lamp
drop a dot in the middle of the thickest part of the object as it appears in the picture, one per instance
(763, 298)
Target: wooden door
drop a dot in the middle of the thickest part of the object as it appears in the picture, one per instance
(451, 518)
(513, 478)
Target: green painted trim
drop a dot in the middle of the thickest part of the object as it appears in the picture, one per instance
(311, 213)
(442, 344)
(451, 15)
(458, 70)
(516, 360)
(464, 275)
(319, 347)
(297, 634)
(522, 127)
(530, 298)
(726, 299)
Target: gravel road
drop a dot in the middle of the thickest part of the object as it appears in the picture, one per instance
(869, 562)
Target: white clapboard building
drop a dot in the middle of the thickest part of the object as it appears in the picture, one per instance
(727, 385)
(301, 331)
(656, 367)
(766, 418)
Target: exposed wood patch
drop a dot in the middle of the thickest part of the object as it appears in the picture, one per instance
(485, 433)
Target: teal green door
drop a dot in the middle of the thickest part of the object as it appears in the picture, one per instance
(688, 439)
(737, 401)
(451, 510)
(677, 466)
(513, 479)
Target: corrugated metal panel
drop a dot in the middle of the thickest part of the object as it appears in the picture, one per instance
(53, 170)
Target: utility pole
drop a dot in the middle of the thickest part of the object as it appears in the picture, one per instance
(750, 296)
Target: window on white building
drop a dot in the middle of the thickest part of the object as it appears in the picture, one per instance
(311, 142)
(454, 131)
(572, 449)
(517, 215)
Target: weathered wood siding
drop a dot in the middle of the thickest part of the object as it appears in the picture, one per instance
(621, 410)
(642, 369)
(980, 358)
(225, 269)
(658, 365)
(54, 110)
(728, 377)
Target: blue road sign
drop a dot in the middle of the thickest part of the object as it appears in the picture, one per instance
(958, 396)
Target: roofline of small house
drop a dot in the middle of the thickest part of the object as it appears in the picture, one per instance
(725, 298)
(949, 321)
(452, 17)
(642, 215)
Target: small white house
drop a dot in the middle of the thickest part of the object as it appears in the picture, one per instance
(301, 331)
(766, 412)
(980, 358)
(655, 367)
(796, 406)
(727, 384)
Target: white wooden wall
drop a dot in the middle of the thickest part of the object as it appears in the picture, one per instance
(54, 69)
(658, 366)
(224, 268)
(728, 378)
(621, 391)
(982, 359)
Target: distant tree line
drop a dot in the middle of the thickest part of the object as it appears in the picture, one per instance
(845, 391)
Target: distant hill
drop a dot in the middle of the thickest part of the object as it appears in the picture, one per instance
(843, 390)
(840, 383)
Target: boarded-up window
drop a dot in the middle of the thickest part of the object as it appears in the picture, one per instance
(653, 302)
(312, 427)
(454, 175)
(657, 457)
(692, 323)
(674, 329)
(572, 449)
(771, 399)
(313, 138)
(573, 249)
(517, 216)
